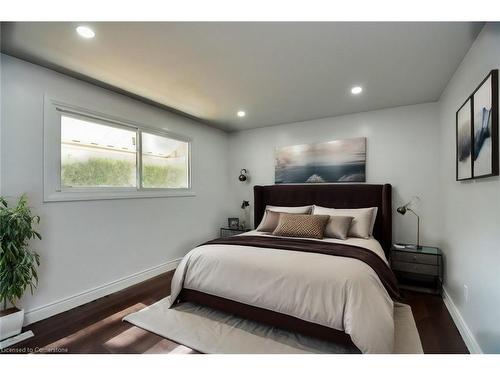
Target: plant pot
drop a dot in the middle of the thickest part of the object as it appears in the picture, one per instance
(11, 322)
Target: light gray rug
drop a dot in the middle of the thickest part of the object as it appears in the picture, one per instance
(211, 331)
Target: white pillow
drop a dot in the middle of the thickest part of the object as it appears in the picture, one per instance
(363, 218)
(289, 210)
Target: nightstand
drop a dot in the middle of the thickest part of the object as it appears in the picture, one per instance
(228, 232)
(418, 269)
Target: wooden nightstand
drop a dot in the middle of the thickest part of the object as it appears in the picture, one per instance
(228, 232)
(418, 269)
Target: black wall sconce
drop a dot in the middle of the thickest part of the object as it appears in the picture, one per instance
(243, 175)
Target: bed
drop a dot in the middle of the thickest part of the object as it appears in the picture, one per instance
(299, 284)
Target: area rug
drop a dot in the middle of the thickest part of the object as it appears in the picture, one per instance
(214, 332)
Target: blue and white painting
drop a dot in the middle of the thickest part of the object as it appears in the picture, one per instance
(334, 161)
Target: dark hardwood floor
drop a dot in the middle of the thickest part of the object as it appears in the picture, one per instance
(436, 328)
(97, 327)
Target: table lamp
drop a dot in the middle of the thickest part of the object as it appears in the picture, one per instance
(407, 208)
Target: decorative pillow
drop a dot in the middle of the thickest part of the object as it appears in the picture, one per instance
(363, 219)
(269, 222)
(338, 227)
(297, 225)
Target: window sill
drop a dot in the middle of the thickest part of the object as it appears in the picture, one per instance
(68, 196)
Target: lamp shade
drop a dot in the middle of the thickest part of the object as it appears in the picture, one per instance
(401, 210)
(243, 175)
(409, 207)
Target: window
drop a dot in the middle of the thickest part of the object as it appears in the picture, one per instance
(164, 162)
(88, 155)
(96, 155)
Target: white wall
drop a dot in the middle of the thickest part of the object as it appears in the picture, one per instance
(93, 243)
(471, 210)
(402, 149)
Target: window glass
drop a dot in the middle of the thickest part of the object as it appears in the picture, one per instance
(164, 162)
(96, 155)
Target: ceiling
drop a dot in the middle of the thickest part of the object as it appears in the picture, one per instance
(276, 72)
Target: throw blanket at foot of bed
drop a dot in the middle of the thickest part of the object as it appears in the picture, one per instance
(338, 286)
(327, 248)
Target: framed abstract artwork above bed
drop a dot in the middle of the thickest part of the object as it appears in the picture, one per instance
(334, 161)
(477, 132)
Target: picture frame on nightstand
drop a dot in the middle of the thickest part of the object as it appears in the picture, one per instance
(233, 222)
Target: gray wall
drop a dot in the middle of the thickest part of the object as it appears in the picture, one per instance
(471, 210)
(93, 243)
(402, 149)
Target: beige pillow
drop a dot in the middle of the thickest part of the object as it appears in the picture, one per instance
(270, 221)
(297, 225)
(338, 227)
(363, 219)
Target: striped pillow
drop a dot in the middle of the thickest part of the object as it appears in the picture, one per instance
(307, 226)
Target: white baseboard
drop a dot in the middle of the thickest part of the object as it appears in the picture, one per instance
(90, 295)
(463, 328)
(16, 339)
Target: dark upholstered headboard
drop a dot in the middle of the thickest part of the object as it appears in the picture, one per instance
(335, 196)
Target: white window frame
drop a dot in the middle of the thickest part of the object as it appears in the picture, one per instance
(53, 191)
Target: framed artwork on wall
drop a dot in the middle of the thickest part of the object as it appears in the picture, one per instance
(342, 160)
(485, 125)
(464, 141)
(477, 132)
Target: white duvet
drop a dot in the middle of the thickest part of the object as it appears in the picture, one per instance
(337, 292)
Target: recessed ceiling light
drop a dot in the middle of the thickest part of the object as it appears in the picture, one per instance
(356, 90)
(241, 113)
(85, 32)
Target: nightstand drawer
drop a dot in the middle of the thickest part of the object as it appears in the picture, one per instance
(414, 257)
(424, 269)
(228, 232)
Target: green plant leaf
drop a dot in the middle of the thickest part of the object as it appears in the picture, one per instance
(18, 263)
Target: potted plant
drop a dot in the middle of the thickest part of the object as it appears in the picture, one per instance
(18, 263)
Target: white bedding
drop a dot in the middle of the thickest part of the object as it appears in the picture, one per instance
(337, 292)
